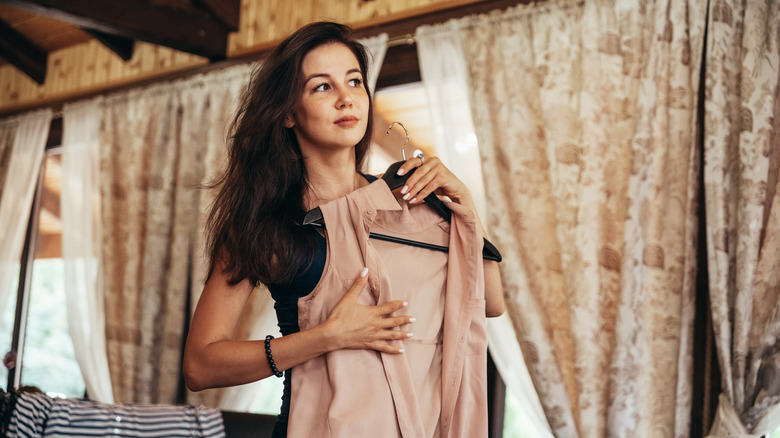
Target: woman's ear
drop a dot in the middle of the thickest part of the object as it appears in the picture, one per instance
(289, 122)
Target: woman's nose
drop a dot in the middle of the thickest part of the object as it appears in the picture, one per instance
(345, 98)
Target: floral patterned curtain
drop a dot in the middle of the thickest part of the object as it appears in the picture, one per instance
(586, 117)
(156, 147)
(742, 163)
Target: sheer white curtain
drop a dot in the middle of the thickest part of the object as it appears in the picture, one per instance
(81, 238)
(27, 134)
(378, 159)
(444, 76)
(377, 47)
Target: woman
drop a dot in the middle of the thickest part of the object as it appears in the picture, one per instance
(298, 142)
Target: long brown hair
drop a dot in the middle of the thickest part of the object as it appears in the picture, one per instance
(253, 225)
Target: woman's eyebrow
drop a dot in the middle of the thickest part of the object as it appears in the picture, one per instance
(326, 75)
(317, 75)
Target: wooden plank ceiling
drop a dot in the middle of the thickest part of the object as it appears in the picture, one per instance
(31, 29)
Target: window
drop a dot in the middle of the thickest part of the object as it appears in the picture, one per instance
(47, 357)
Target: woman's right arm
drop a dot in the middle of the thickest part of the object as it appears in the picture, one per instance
(214, 358)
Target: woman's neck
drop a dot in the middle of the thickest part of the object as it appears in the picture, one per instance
(330, 180)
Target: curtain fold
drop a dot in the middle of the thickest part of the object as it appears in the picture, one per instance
(81, 239)
(444, 76)
(585, 113)
(377, 159)
(377, 47)
(742, 163)
(22, 141)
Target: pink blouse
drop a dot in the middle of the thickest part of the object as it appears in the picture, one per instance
(438, 386)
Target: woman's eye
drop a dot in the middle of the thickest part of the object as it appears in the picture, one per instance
(356, 82)
(322, 87)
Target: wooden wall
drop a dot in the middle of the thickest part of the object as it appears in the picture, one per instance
(89, 68)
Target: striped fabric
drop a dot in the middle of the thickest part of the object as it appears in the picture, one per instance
(37, 415)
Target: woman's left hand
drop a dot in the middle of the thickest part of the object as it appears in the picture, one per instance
(432, 176)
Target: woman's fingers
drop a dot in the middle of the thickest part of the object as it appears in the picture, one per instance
(422, 187)
(390, 331)
(396, 321)
(432, 176)
(359, 326)
(418, 180)
(357, 286)
(385, 341)
(390, 307)
(384, 347)
(410, 164)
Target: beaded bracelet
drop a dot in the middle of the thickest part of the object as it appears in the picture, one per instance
(270, 357)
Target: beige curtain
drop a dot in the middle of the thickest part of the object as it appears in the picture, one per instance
(155, 143)
(742, 163)
(585, 114)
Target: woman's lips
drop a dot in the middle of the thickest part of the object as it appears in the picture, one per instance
(347, 121)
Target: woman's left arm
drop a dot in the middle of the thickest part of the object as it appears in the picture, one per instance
(432, 176)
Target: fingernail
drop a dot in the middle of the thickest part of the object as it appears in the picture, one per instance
(407, 195)
(405, 189)
(400, 171)
(412, 319)
(364, 272)
(400, 350)
(406, 303)
(413, 200)
(409, 335)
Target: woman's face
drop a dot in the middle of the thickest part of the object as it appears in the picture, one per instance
(332, 112)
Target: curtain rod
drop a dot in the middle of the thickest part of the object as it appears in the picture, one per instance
(400, 40)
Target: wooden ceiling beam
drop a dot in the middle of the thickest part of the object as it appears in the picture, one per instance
(121, 46)
(227, 12)
(182, 26)
(22, 53)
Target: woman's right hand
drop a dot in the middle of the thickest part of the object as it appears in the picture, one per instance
(356, 326)
(214, 357)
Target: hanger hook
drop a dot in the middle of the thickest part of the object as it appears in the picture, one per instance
(403, 152)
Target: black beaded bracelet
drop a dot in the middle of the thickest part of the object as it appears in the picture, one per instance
(270, 357)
